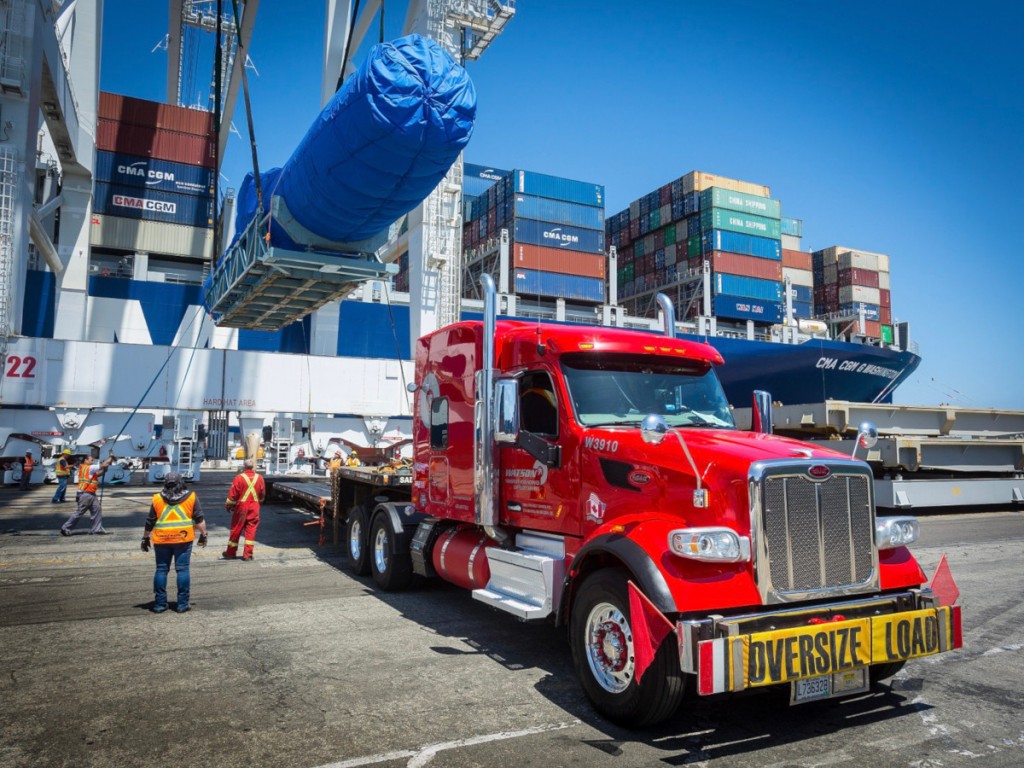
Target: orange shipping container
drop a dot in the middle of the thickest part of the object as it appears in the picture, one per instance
(152, 114)
(161, 144)
(797, 259)
(873, 329)
(746, 266)
(558, 260)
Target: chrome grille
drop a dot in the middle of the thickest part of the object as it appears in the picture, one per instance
(816, 537)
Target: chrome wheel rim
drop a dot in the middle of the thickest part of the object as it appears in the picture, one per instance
(355, 540)
(609, 648)
(380, 550)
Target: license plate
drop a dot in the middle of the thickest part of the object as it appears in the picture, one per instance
(828, 686)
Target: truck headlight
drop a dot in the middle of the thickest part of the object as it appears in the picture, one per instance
(715, 544)
(892, 532)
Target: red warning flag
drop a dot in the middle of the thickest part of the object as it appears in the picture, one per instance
(943, 585)
(649, 628)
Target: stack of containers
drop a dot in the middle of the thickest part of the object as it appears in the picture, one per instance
(154, 167)
(847, 279)
(797, 267)
(733, 224)
(556, 228)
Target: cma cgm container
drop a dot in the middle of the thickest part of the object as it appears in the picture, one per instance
(147, 141)
(152, 205)
(551, 284)
(132, 111)
(153, 173)
(745, 308)
(477, 179)
(554, 235)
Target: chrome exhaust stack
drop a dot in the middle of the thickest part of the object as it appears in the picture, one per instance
(668, 311)
(485, 475)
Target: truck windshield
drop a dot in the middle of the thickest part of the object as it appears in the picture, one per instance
(606, 391)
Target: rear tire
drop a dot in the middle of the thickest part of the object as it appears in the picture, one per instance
(601, 636)
(356, 541)
(879, 672)
(391, 571)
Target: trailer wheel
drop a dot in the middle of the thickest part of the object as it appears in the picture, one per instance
(602, 648)
(392, 572)
(356, 541)
(879, 672)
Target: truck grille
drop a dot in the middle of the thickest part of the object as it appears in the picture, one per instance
(815, 537)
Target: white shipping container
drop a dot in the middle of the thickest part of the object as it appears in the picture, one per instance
(883, 263)
(791, 243)
(634, 209)
(670, 254)
(649, 244)
(883, 280)
(859, 293)
(665, 213)
(831, 273)
(155, 237)
(802, 277)
(698, 181)
(859, 260)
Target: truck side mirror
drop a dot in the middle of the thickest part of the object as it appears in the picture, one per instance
(506, 400)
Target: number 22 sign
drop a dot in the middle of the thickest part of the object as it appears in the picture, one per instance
(20, 367)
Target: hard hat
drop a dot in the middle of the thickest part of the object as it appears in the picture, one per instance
(28, 453)
(66, 452)
(354, 452)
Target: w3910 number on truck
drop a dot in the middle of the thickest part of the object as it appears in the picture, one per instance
(594, 477)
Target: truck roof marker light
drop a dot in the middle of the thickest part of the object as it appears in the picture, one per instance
(586, 345)
(722, 545)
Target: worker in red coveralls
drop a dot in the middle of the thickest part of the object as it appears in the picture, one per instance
(243, 502)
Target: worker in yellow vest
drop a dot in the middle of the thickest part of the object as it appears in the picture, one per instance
(353, 459)
(173, 519)
(334, 463)
(247, 493)
(63, 473)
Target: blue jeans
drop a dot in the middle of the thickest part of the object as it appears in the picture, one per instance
(62, 489)
(181, 554)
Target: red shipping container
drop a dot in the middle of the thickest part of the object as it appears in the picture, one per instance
(682, 250)
(154, 142)
(747, 266)
(854, 276)
(886, 297)
(152, 114)
(558, 260)
(665, 195)
(873, 329)
(634, 229)
(797, 259)
(658, 239)
(885, 315)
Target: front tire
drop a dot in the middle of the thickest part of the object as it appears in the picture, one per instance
(356, 541)
(601, 636)
(391, 571)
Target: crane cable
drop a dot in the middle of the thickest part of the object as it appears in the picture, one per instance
(248, 111)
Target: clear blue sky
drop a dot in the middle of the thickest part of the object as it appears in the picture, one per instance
(886, 126)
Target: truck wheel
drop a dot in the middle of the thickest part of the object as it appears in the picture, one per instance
(602, 648)
(879, 672)
(392, 572)
(355, 540)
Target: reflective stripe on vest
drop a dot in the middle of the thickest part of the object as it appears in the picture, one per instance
(86, 485)
(251, 490)
(173, 521)
(63, 470)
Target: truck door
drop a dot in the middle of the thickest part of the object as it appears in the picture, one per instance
(539, 474)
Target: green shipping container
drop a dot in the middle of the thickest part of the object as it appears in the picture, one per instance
(693, 247)
(733, 221)
(638, 248)
(716, 197)
(887, 334)
(670, 234)
(654, 221)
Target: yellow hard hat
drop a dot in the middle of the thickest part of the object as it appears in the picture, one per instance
(354, 452)
(66, 452)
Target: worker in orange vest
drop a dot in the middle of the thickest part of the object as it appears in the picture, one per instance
(89, 478)
(174, 516)
(63, 473)
(26, 470)
(243, 502)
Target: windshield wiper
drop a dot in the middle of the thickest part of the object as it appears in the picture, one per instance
(617, 423)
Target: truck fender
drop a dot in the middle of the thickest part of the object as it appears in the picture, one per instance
(623, 552)
(404, 518)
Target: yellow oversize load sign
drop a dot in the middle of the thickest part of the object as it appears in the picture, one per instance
(768, 658)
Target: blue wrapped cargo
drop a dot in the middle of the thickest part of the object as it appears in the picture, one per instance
(151, 173)
(743, 308)
(736, 242)
(533, 282)
(558, 212)
(750, 287)
(557, 188)
(558, 236)
(152, 205)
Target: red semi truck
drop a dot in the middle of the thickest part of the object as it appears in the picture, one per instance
(594, 477)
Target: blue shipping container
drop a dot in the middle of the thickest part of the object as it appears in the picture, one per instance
(570, 190)
(802, 310)
(794, 227)
(150, 173)
(559, 212)
(558, 236)
(477, 178)
(801, 293)
(573, 287)
(737, 242)
(151, 205)
(742, 308)
(871, 311)
(751, 287)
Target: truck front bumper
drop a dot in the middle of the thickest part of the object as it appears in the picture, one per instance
(766, 648)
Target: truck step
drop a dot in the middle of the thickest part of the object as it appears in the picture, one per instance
(527, 582)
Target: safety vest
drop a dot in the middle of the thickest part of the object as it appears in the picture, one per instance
(250, 492)
(173, 521)
(63, 469)
(85, 483)
(27, 465)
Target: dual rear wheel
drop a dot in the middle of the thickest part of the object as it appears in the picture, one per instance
(371, 550)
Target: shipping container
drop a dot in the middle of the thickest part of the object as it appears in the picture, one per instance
(884, 280)
(527, 256)
(801, 294)
(887, 336)
(859, 260)
(151, 205)
(716, 197)
(792, 227)
(477, 179)
(698, 181)
(850, 294)
(735, 242)
(743, 308)
(885, 315)
(871, 311)
(797, 259)
(571, 287)
(854, 276)
(798, 276)
(153, 173)
(132, 111)
(558, 212)
(154, 237)
(751, 287)
(802, 310)
(142, 141)
(791, 243)
(872, 329)
(556, 188)
(718, 218)
(565, 236)
(746, 266)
